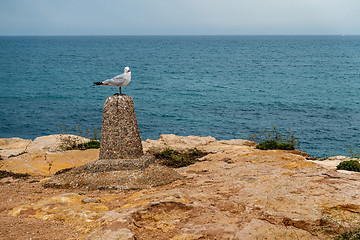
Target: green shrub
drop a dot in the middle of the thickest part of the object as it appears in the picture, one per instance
(69, 142)
(172, 158)
(4, 174)
(271, 144)
(351, 165)
(268, 139)
(194, 154)
(286, 146)
(88, 145)
(350, 235)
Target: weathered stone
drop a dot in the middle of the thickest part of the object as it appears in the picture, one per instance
(120, 137)
(91, 200)
(178, 143)
(55, 143)
(45, 155)
(236, 192)
(258, 229)
(121, 164)
(104, 165)
(69, 207)
(45, 164)
(152, 176)
(332, 162)
(12, 146)
(13, 143)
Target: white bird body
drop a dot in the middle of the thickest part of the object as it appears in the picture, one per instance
(117, 81)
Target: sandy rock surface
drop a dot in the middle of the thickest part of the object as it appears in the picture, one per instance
(175, 142)
(235, 192)
(12, 146)
(44, 155)
(332, 162)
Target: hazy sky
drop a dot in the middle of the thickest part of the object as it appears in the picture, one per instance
(171, 17)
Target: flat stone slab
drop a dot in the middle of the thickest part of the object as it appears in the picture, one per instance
(154, 175)
(107, 165)
(119, 174)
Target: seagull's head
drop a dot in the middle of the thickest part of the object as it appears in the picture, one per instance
(126, 69)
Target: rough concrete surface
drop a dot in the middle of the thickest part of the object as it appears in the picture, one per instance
(120, 137)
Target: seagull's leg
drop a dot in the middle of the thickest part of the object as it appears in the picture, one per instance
(120, 90)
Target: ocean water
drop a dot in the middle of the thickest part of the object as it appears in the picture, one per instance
(220, 86)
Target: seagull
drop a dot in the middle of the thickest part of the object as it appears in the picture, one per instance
(118, 81)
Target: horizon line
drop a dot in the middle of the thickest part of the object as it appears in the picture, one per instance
(165, 35)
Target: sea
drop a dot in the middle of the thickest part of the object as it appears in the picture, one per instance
(226, 87)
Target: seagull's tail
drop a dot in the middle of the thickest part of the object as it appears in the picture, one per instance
(98, 83)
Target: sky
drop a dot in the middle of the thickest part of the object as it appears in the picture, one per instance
(179, 17)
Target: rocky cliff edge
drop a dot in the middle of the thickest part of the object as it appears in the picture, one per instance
(234, 192)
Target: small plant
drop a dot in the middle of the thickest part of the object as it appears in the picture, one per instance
(16, 155)
(72, 144)
(354, 152)
(286, 146)
(93, 134)
(63, 171)
(4, 174)
(341, 221)
(350, 235)
(34, 181)
(351, 165)
(270, 144)
(88, 145)
(196, 154)
(273, 139)
(69, 142)
(172, 158)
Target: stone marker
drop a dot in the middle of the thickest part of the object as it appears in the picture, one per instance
(120, 137)
(121, 164)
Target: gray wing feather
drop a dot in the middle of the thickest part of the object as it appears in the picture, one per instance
(117, 81)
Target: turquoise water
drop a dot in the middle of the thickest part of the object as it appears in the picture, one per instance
(222, 86)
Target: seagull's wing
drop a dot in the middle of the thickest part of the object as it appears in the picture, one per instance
(117, 81)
